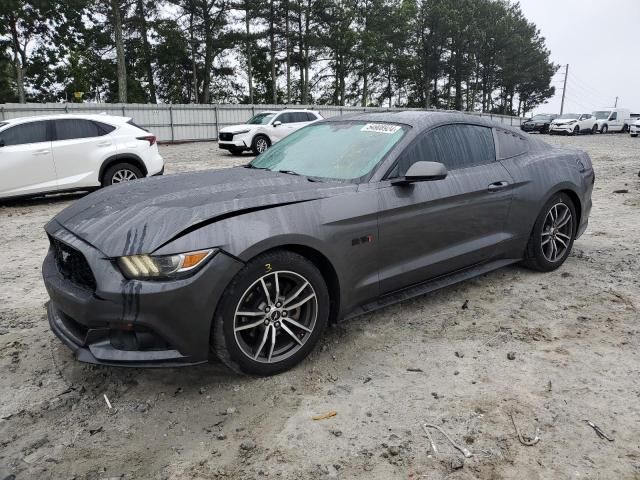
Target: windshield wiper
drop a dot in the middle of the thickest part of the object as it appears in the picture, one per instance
(249, 165)
(291, 172)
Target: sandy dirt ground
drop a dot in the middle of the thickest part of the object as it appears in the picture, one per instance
(553, 350)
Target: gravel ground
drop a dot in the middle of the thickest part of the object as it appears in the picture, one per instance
(550, 349)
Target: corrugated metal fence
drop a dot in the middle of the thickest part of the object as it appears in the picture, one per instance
(176, 123)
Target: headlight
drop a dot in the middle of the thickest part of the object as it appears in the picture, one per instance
(241, 132)
(572, 122)
(164, 267)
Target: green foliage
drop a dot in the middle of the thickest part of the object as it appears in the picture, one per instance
(457, 54)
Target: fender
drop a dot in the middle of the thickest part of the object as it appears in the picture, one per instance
(118, 157)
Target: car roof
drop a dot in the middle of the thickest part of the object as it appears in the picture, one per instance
(418, 119)
(90, 116)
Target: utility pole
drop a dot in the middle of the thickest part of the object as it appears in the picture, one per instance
(564, 88)
(616, 105)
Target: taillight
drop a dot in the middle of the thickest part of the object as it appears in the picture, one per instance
(149, 138)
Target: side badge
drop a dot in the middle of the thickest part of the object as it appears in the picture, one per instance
(361, 240)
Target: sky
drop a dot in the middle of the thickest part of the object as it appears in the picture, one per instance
(600, 40)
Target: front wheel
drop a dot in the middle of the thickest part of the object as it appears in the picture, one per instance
(553, 234)
(236, 151)
(594, 129)
(260, 144)
(604, 129)
(625, 128)
(576, 130)
(271, 315)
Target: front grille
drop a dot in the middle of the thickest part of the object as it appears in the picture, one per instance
(72, 265)
(225, 136)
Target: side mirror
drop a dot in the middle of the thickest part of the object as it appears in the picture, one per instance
(276, 123)
(421, 172)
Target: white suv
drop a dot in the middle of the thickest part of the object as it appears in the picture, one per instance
(50, 154)
(574, 124)
(264, 129)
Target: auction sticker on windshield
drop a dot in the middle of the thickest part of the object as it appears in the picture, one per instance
(380, 128)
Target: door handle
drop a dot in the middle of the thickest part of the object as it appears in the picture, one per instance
(104, 144)
(497, 186)
(41, 152)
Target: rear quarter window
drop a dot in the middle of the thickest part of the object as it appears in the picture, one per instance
(510, 144)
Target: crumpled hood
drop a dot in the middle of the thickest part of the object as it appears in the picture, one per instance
(564, 122)
(141, 216)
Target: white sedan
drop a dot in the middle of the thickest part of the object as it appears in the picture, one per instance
(50, 154)
(634, 128)
(574, 124)
(264, 129)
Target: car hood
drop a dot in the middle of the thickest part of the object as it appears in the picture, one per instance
(237, 128)
(564, 121)
(140, 217)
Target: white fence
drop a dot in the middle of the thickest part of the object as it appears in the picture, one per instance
(177, 123)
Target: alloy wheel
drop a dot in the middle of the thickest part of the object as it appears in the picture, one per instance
(261, 145)
(275, 316)
(123, 175)
(557, 232)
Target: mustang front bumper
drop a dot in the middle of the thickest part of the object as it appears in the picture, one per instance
(123, 322)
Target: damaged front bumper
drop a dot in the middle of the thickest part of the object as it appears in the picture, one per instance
(122, 322)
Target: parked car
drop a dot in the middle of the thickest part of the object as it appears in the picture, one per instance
(49, 154)
(264, 129)
(573, 124)
(342, 217)
(539, 123)
(634, 128)
(613, 120)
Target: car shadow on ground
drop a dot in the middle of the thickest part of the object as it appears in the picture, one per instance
(41, 200)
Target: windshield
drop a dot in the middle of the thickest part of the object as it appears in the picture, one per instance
(261, 119)
(567, 116)
(342, 151)
(541, 117)
(602, 115)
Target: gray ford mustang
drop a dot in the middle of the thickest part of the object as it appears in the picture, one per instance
(340, 218)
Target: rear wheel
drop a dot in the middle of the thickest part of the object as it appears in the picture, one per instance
(625, 128)
(271, 314)
(553, 234)
(260, 144)
(120, 173)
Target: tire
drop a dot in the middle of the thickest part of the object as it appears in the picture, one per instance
(594, 129)
(120, 173)
(248, 350)
(545, 129)
(625, 128)
(551, 133)
(260, 144)
(604, 129)
(576, 130)
(540, 254)
(236, 151)
(634, 135)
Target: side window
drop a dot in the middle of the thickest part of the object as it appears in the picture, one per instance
(510, 144)
(614, 116)
(68, 129)
(32, 132)
(104, 128)
(301, 116)
(456, 146)
(284, 118)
